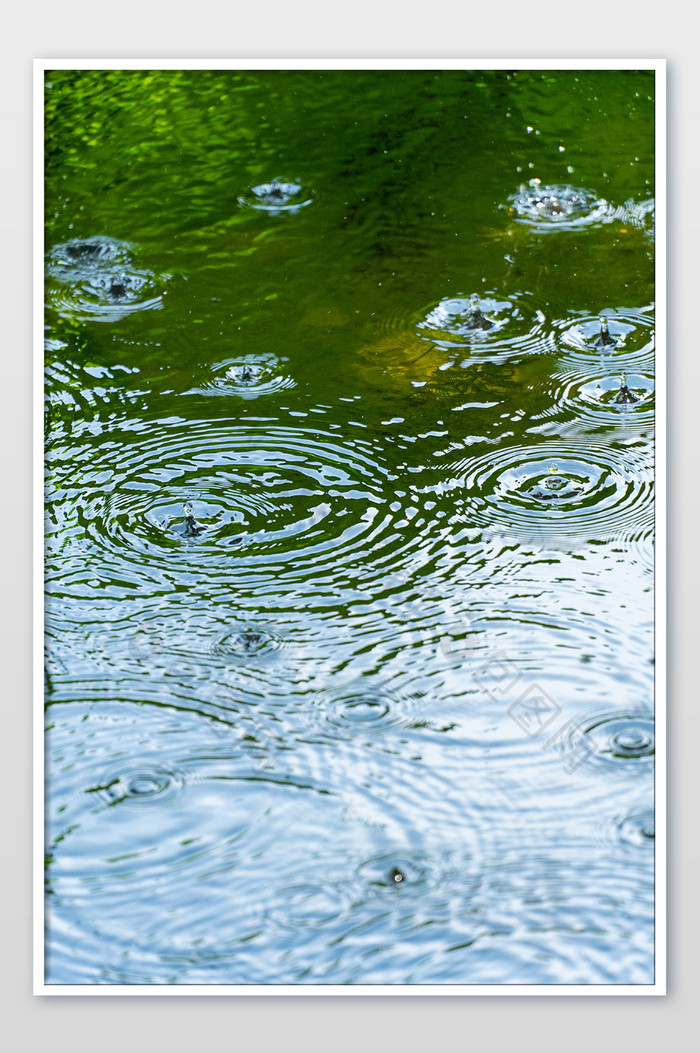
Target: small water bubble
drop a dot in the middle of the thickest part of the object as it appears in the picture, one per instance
(144, 786)
(630, 741)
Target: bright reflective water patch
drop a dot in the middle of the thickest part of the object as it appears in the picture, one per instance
(557, 206)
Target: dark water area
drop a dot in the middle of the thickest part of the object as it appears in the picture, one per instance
(349, 527)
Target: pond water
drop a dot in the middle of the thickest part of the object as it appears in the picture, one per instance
(349, 527)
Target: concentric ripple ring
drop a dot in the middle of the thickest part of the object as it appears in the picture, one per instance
(277, 196)
(492, 326)
(95, 279)
(579, 491)
(247, 376)
(230, 502)
(557, 207)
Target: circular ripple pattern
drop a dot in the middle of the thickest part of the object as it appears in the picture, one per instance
(631, 830)
(621, 739)
(250, 642)
(248, 377)
(619, 393)
(95, 279)
(227, 503)
(399, 871)
(140, 784)
(490, 326)
(371, 709)
(362, 710)
(601, 400)
(628, 343)
(637, 831)
(312, 906)
(263, 853)
(557, 207)
(277, 196)
(560, 489)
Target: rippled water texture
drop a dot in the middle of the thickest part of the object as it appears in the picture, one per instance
(349, 527)
(95, 278)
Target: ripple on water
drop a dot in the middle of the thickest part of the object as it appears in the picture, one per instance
(582, 403)
(642, 551)
(639, 214)
(248, 377)
(77, 390)
(221, 840)
(632, 832)
(312, 906)
(620, 336)
(621, 740)
(243, 857)
(367, 709)
(88, 253)
(235, 503)
(576, 491)
(397, 870)
(491, 326)
(275, 197)
(457, 332)
(638, 831)
(95, 279)
(557, 206)
(246, 642)
(139, 783)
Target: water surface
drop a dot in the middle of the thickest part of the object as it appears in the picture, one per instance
(349, 533)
